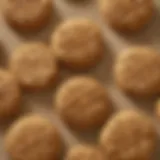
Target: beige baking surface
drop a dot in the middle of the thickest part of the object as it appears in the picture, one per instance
(42, 102)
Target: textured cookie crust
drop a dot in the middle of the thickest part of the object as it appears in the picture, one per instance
(129, 136)
(84, 152)
(28, 15)
(33, 138)
(34, 65)
(83, 103)
(10, 95)
(137, 71)
(127, 15)
(78, 43)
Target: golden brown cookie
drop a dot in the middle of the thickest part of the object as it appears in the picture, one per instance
(28, 15)
(83, 103)
(34, 65)
(129, 135)
(137, 71)
(127, 15)
(157, 108)
(33, 137)
(85, 152)
(78, 43)
(10, 95)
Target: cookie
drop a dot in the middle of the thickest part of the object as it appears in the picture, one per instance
(28, 15)
(34, 65)
(85, 152)
(10, 95)
(127, 15)
(157, 108)
(137, 71)
(82, 103)
(128, 135)
(78, 44)
(33, 137)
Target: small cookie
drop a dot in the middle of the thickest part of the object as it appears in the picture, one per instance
(129, 136)
(78, 44)
(10, 95)
(28, 15)
(34, 65)
(127, 15)
(85, 152)
(83, 103)
(137, 71)
(33, 137)
(157, 109)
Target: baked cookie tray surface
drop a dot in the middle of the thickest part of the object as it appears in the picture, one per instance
(42, 102)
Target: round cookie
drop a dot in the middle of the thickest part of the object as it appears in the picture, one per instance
(33, 137)
(83, 103)
(129, 135)
(34, 65)
(137, 71)
(28, 15)
(127, 15)
(10, 95)
(78, 44)
(85, 152)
